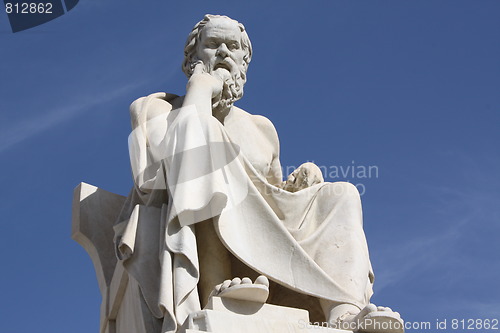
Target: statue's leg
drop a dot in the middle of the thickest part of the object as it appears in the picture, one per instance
(214, 259)
(335, 312)
(350, 256)
(218, 268)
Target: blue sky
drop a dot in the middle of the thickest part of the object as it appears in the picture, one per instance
(411, 87)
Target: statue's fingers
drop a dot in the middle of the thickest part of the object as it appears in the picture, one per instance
(317, 180)
(299, 176)
(199, 67)
(304, 180)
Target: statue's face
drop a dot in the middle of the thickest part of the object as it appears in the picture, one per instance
(220, 46)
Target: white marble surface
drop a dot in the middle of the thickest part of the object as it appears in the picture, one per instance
(209, 199)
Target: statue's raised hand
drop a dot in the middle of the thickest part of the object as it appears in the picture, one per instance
(200, 80)
(306, 175)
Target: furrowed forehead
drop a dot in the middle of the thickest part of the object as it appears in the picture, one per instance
(218, 28)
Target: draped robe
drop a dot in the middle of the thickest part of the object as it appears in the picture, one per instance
(186, 170)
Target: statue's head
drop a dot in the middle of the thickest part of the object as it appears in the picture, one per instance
(223, 46)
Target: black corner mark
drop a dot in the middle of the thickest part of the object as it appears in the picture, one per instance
(26, 14)
(70, 4)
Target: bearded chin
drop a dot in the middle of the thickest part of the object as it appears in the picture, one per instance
(232, 90)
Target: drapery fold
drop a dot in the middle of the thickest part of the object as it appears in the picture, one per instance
(186, 170)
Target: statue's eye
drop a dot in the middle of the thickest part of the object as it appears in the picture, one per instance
(212, 44)
(234, 46)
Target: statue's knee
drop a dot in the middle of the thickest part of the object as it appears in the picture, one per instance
(345, 190)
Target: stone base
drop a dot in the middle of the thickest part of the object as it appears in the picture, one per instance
(123, 309)
(223, 315)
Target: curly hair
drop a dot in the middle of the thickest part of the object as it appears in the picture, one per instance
(194, 37)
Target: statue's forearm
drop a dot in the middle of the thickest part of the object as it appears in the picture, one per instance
(200, 96)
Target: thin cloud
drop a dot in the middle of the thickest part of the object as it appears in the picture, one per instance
(459, 210)
(28, 128)
(415, 255)
(475, 309)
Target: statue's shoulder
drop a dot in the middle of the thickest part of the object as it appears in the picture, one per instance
(260, 121)
(148, 107)
(265, 125)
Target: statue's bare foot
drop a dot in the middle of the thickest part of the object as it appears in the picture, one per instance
(374, 319)
(244, 289)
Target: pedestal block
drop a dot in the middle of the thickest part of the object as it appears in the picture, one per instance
(223, 315)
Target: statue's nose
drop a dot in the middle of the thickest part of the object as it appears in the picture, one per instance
(223, 51)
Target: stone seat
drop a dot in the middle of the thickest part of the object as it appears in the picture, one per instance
(123, 309)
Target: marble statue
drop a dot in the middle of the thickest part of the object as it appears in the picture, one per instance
(210, 212)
